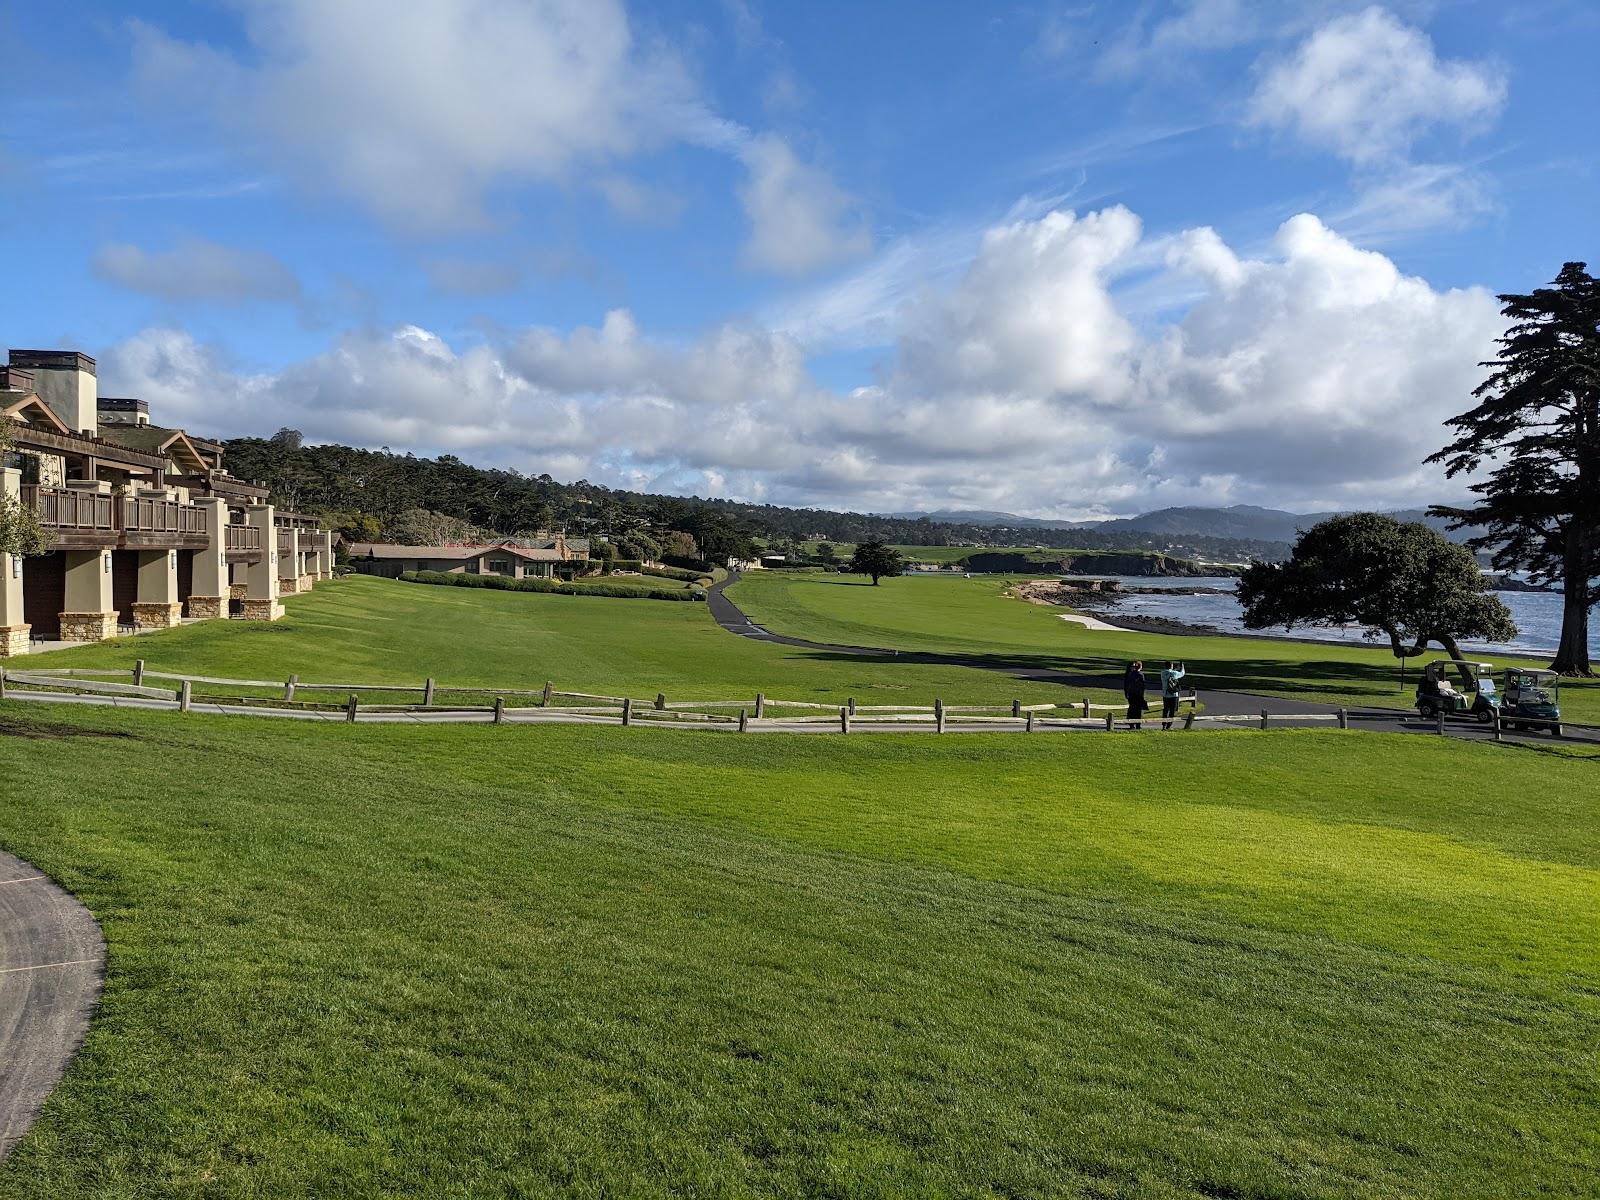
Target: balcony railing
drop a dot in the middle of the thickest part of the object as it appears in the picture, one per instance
(241, 537)
(68, 510)
(72, 511)
(143, 515)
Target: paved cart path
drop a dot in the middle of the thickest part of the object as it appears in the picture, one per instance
(52, 962)
(1217, 703)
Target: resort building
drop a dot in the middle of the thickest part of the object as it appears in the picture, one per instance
(511, 558)
(144, 525)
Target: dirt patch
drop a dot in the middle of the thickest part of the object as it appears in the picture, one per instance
(44, 730)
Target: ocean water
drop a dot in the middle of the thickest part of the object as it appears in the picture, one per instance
(1537, 614)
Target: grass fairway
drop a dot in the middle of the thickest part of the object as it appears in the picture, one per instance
(972, 617)
(362, 629)
(479, 962)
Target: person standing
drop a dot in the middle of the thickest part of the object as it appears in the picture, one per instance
(1133, 685)
(1169, 692)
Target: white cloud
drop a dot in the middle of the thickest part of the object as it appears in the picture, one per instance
(1366, 87)
(1314, 375)
(799, 219)
(198, 269)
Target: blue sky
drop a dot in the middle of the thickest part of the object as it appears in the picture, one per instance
(1061, 259)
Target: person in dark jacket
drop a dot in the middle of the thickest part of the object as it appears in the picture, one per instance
(1133, 688)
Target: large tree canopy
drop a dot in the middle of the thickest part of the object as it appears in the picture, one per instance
(1405, 581)
(1537, 425)
(20, 533)
(876, 559)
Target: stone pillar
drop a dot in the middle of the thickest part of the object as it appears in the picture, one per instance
(208, 595)
(158, 606)
(288, 561)
(261, 576)
(90, 615)
(13, 629)
(325, 554)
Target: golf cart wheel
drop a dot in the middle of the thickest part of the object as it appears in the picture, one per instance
(1426, 711)
(1486, 716)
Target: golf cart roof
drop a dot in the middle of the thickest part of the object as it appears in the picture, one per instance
(1461, 662)
(1540, 672)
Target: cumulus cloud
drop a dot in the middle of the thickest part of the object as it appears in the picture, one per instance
(1313, 375)
(198, 269)
(1366, 86)
(423, 120)
(799, 219)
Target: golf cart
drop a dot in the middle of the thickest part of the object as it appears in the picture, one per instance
(1477, 700)
(1532, 700)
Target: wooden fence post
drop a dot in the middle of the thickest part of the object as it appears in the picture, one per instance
(427, 693)
(1016, 708)
(627, 710)
(1344, 718)
(1030, 722)
(2, 681)
(549, 690)
(499, 710)
(744, 721)
(185, 696)
(761, 706)
(288, 687)
(350, 708)
(1188, 719)
(844, 719)
(851, 705)
(1497, 736)
(138, 672)
(1086, 708)
(938, 716)
(1441, 724)
(661, 701)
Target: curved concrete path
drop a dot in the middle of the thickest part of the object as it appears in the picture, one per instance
(729, 616)
(52, 964)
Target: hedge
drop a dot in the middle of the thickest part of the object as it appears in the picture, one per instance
(502, 583)
(677, 573)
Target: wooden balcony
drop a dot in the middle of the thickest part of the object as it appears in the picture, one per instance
(242, 539)
(82, 520)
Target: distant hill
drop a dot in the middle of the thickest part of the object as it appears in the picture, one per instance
(989, 519)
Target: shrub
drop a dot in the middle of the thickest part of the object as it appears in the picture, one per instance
(502, 583)
(686, 563)
(677, 573)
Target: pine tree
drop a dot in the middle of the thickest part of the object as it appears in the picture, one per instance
(1537, 428)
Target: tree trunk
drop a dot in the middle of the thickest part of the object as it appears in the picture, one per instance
(1572, 655)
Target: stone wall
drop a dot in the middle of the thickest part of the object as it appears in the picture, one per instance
(14, 640)
(152, 614)
(262, 610)
(88, 627)
(205, 608)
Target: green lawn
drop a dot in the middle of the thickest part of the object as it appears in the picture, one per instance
(367, 630)
(954, 615)
(509, 962)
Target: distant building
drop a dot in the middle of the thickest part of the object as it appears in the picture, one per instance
(507, 558)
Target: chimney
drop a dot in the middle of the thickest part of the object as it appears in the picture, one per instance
(64, 379)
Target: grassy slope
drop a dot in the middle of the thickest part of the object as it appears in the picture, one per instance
(357, 630)
(480, 962)
(970, 616)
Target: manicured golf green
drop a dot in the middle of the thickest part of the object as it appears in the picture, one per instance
(525, 962)
(367, 630)
(961, 616)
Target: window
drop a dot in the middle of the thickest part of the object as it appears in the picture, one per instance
(500, 566)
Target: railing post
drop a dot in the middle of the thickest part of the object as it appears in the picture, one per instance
(844, 719)
(851, 703)
(499, 710)
(1110, 717)
(427, 693)
(549, 688)
(627, 710)
(138, 672)
(761, 706)
(1016, 708)
(1086, 708)
(661, 701)
(938, 716)
(185, 696)
(1263, 718)
(288, 687)
(1030, 721)
(744, 720)
(350, 708)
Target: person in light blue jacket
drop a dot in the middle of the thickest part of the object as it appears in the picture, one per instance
(1169, 692)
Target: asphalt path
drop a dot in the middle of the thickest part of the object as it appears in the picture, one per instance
(1218, 703)
(52, 962)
